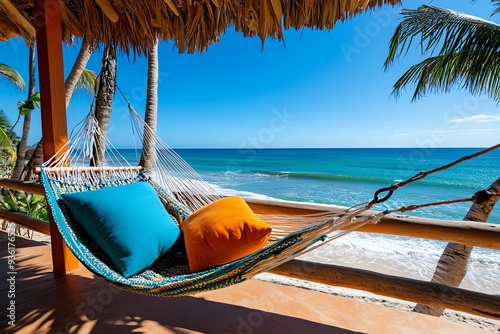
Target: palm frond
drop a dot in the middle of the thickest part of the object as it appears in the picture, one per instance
(25, 107)
(445, 72)
(4, 121)
(87, 81)
(12, 75)
(6, 144)
(496, 5)
(7, 127)
(468, 48)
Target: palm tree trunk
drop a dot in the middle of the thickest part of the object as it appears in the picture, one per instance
(36, 160)
(70, 84)
(150, 117)
(77, 70)
(104, 101)
(21, 148)
(452, 265)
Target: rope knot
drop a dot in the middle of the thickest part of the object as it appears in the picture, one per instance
(390, 190)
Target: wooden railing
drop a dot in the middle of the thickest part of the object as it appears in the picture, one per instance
(428, 293)
(25, 221)
(29, 187)
(469, 233)
(21, 218)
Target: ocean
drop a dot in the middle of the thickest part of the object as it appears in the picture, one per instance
(350, 176)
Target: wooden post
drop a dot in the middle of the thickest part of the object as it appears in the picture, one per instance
(51, 73)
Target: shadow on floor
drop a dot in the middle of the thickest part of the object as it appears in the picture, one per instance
(77, 303)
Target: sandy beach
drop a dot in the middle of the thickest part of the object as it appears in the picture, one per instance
(459, 317)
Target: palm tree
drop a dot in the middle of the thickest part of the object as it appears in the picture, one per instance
(74, 79)
(467, 57)
(23, 143)
(6, 134)
(79, 77)
(150, 117)
(104, 100)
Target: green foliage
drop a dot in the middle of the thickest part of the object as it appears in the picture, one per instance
(496, 4)
(25, 107)
(12, 75)
(7, 138)
(6, 165)
(87, 81)
(4, 121)
(7, 145)
(29, 204)
(466, 46)
(6, 125)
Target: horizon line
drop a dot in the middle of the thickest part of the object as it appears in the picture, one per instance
(312, 148)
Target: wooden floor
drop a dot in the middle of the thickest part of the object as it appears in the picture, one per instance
(80, 303)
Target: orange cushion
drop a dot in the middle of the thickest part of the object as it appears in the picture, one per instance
(221, 232)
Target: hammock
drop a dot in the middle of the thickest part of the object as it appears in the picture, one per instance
(181, 191)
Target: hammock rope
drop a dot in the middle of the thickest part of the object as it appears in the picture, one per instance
(477, 198)
(421, 175)
(182, 191)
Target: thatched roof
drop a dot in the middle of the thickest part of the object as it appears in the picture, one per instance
(192, 24)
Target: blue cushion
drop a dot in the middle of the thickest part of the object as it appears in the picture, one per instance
(128, 223)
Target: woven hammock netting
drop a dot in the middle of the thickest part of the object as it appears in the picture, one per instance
(170, 172)
(182, 191)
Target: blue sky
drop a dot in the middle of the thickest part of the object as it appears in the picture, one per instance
(318, 89)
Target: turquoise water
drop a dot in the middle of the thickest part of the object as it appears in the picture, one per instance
(351, 176)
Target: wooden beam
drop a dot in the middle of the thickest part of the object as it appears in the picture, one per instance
(17, 17)
(461, 232)
(428, 293)
(29, 187)
(89, 169)
(51, 74)
(108, 10)
(469, 233)
(26, 221)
